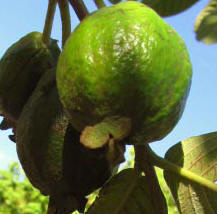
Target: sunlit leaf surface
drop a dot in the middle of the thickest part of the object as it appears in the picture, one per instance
(206, 24)
(198, 155)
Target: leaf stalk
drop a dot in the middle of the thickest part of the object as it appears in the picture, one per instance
(79, 8)
(49, 21)
(100, 3)
(167, 165)
(66, 20)
(142, 163)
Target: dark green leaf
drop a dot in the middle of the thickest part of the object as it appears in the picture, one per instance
(198, 155)
(169, 7)
(127, 192)
(114, 1)
(206, 24)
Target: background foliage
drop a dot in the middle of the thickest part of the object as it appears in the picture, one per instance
(18, 196)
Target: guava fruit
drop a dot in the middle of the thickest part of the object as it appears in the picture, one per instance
(125, 61)
(51, 155)
(40, 133)
(20, 70)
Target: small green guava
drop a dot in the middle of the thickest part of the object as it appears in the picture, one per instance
(21, 67)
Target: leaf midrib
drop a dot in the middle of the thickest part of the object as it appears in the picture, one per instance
(127, 195)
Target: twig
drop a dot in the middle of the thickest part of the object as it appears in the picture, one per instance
(49, 21)
(99, 3)
(66, 20)
(79, 8)
(142, 162)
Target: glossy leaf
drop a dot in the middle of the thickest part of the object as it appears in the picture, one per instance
(169, 7)
(198, 155)
(127, 192)
(206, 24)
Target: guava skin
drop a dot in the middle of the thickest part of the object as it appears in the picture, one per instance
(51, 155)
(21, 68)
(124, 60)
(40, 135)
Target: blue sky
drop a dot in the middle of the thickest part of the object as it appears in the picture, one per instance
(21, 17)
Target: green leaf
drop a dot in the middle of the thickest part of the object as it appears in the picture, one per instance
(169, 7)
(206, 24)
(114, 1)
(98, 135)
(5, 124)
(127, 192)
(198, 155)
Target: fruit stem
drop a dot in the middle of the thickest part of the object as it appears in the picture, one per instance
(142, 163)
(49, 21)
(100, 3)
(167, 165)
(66, 20)
(79, 8)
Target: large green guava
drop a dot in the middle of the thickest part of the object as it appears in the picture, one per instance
(125, 61)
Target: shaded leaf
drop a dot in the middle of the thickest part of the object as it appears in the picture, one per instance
(98, 135)
(127, 192)
(198, 155)
(5, 124)
(12, 137)
(114, 1)
(206, 24)
(169, 7)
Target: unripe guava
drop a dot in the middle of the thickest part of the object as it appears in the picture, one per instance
(21, 67)
(51, 155)
(125, 61)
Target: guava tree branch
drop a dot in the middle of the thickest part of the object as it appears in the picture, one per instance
(79, 8)
(99, 3)
(143, 163)
(66, 19)
(49, 21)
